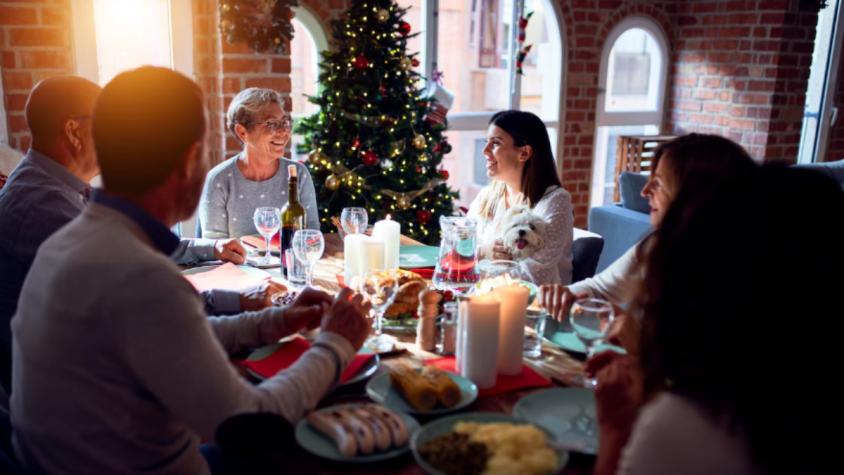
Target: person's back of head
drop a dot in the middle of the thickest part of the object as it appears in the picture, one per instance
(145, 123)
(52, 102)
(738, 276)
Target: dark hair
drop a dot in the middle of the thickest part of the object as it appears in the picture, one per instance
(144, 122)
(700, 159)
(54, 101)
(540, 172)
(738, 273)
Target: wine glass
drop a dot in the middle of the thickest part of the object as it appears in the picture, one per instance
(308, 245)
(354, 220)
(267, 221)
(379, 287)
(591, 319)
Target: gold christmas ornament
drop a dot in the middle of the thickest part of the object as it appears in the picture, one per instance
(383, 15)
(403, 202)
(419, 141)
(405, 63)
(226, 7)
(332, 183)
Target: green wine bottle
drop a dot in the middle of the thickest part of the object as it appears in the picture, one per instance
(292, 214)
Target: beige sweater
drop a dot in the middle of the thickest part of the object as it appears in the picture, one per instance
(116, 367)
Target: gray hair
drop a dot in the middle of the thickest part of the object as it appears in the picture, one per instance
(247, 104)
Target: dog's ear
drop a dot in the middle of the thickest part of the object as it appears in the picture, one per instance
(517, 210)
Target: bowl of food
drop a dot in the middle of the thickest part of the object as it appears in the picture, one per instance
(488, 443)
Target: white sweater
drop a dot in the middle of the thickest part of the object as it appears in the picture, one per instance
(615, 283)
(116, 367)
(552, 263)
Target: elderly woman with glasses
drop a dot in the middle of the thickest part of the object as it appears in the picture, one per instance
(257, 176)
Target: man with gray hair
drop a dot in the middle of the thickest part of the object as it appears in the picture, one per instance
(257, 176)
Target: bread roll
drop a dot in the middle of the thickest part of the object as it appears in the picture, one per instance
(447, 391)
(418, 391)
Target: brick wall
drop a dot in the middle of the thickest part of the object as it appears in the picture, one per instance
(34, 44)
(740, 69)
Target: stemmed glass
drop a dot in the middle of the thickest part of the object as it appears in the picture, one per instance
(308, 245)
(591, 319)
(354, 220)
(267, 221)
(379, 288)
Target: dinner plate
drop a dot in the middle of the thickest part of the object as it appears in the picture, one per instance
(366, 371)
(380, 389)
(253, 271)
(568, 413)
(445, 425)
(561, 334)
(322, 446)
(411, 256)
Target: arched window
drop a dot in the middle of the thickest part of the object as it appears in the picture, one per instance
(631, 97)
(309, 40)
(473, 43)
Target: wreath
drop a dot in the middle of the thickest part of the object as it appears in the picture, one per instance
(263, 24)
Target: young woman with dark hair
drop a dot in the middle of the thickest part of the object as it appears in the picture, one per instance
(734, 273)
(523, 172)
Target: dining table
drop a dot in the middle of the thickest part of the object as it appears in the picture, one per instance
(560, 367)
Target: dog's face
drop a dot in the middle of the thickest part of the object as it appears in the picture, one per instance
(524, 232)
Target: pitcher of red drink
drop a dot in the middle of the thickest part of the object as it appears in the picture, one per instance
(457, 268)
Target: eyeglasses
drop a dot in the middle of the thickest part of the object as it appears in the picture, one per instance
(273, 125)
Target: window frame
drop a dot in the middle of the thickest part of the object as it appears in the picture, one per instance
(84, 40)
(626, 118)
(474, 121)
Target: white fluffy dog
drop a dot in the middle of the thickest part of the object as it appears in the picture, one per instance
(524, 232)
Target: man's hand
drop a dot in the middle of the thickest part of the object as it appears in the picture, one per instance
(347, 317)
(230, 250)
(557, 300)
(260, 296)
(307, 310)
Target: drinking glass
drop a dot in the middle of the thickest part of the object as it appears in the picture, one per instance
(591, 320)
(267, 221)
(308, 245)
(379, 287)
(354, 220)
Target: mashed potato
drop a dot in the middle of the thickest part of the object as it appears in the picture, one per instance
(514, 449)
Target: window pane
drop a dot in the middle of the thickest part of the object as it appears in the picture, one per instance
(540, 84)
(414, 17)
(303, 69)
(473, 52)
(131, 33)
(634, 72)
(603, 179)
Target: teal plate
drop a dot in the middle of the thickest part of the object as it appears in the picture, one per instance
(413, 256)
(445, 425)
(562, 335)
(568, 413)
(381, 390)
(322, 446)
(365, 371)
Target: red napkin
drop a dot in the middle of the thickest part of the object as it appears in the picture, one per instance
(227, 276)
(289, 352)
(424, 272)
(527, 379)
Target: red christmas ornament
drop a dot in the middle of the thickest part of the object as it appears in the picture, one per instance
(356, 142)
(423, 216)
(444, 174)
(437, 148)
(369, 158)
(360, 62)
(404, 28)
(414, 62)
(382, 90)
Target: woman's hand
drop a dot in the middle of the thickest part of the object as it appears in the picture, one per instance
(230, 250)
(625, 332)
(620, 390)
(501, 252)
(556, 299)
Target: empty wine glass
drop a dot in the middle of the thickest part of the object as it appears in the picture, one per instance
(354, 220)
(308, 245)
(591, 319)
(379, 287)
(267, 221)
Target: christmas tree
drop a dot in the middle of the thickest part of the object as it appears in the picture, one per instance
(377, 140)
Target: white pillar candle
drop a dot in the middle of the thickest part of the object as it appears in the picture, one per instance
(389, 231)
(372, 254)
(352, 257)
(511, 333)
(480, 340)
